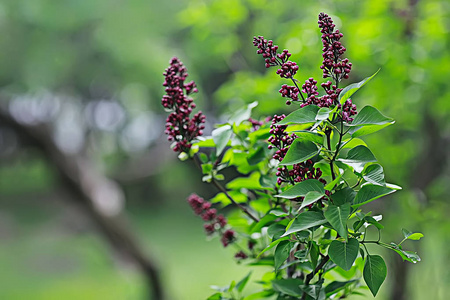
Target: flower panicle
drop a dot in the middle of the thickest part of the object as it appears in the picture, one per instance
(180, 127)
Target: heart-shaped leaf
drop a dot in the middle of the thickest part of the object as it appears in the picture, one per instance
(374, 272)
(344, 254)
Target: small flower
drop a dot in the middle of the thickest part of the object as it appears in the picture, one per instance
(241, 255)
(228, 237)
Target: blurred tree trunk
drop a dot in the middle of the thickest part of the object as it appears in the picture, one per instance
(79, 176)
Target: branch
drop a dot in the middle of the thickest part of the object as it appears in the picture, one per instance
(84, 182)
(223, 190)
(310, 276)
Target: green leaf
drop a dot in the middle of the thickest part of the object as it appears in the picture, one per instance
(344, 254)
(374, 174)
(408, 255)
(302, 188)
(290, 286)
(358, 157)
(302, 115)
(310, 198)
(221, 136)
(323, 114)
(299, 151)
(243, 282)
(309, 136)
(368, 129)
(250, 182)
(216, 296)
(337, 216)
(273, 244)
(304, 221)
(348, 91)
(313, 253)
(260, 295)
(243, 114)
(336, 286)
(332, 184)
(370, 116)
(281, 253)
(256, 156)
(415, 236)
(370, 192)
(372, 221)
(374, 273)
(346, 195)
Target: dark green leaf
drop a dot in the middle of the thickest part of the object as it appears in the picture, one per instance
(344, 254)
(348, 91)
(337, 216)
(275, 231)
(273, 244)
(299, 151)
(221, 136)
(336, 286)
(281, 253)
(374, 273)
(304, 221)
(374, 222)
(262, 222)
(256, 156)
(302, 115)
(370, 192)
(370, 116)
(358, 157)
(310, 198)
(290, 286)
(313, 253)
(302, 188)
(346, 195)
(374, 174)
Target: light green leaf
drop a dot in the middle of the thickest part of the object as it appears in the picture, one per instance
(408, 255)
(299, 151)
(310, 198)
(374, 273)
(415, 236)
(348, 91)
(281, 253)
(369, 115)
(309, 136)
(344, 254)
(250, 182)
(243, 282)
(304, 221)
(271, 245)
(368, 129)
(302, 188)
(221, 136)
(358, 157)
(374, 174)
(243, 114)
(370, 192)
(337, 216)
(302, 115)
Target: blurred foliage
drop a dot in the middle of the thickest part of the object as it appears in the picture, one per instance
(94, 68)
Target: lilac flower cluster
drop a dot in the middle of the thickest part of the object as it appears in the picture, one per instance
(287, 68)
(281, 140)
(180, 128)
(213, 222)
(332, 65)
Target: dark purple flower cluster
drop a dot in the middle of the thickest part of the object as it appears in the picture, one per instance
(180, 128)
(290, 92)
(332, 65)
(348, 110)
(213, 222)
(281, 140)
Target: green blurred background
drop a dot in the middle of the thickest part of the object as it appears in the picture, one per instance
(86, 77)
